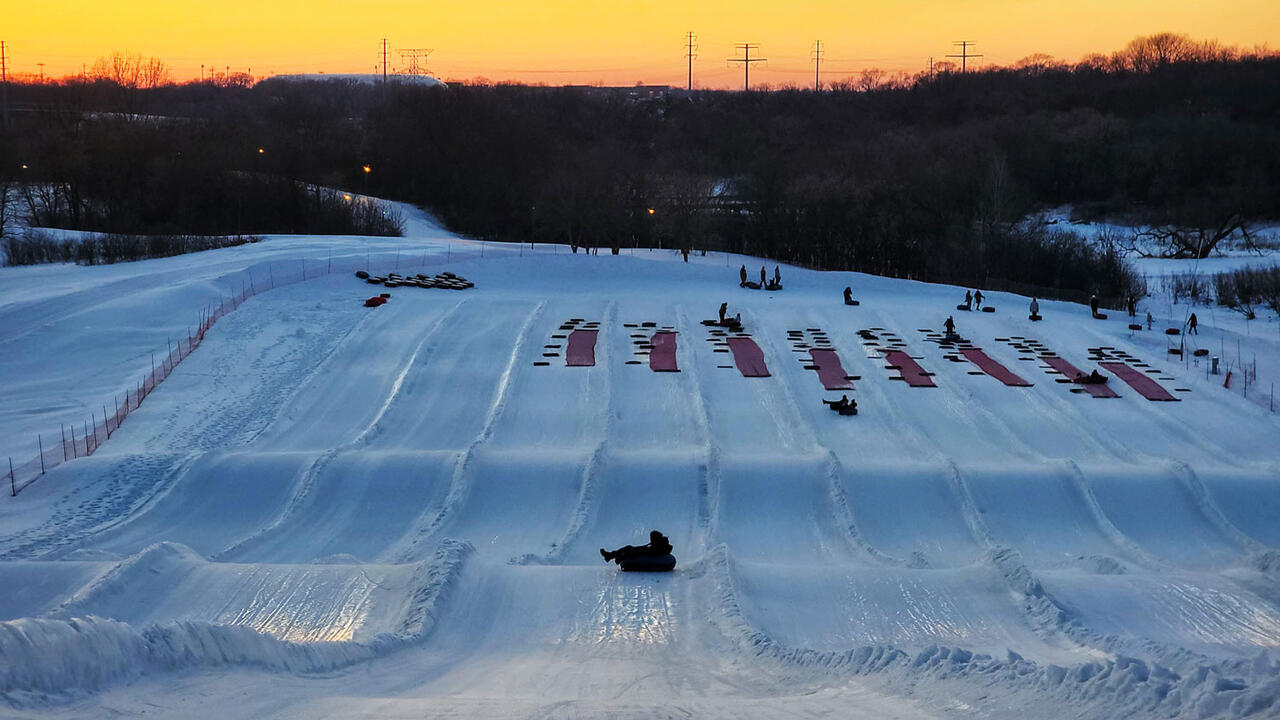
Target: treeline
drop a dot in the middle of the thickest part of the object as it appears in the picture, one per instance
(932, 178)
(111, 173)
(36, 247)
(1246, 289)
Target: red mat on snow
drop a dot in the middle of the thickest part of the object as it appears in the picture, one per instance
(748, 357)
(993, 368)
(830, 371)
(662, 357)
(582, 349)
(1071, 371)
(909, 369)
(1146, 387)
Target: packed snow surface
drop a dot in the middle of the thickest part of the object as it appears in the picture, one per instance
(330, 509)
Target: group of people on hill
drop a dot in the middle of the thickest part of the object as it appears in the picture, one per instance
(765, 283)
(970, 298)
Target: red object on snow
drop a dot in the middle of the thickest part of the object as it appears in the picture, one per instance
(909, 369)
(830, 371)
(662, 358)
(582, 349)
(1146, 387)
(993, 368)
(748, 357)
(375, 301)
(1071, 371)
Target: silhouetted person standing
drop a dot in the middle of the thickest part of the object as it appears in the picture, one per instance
(1133, 306)
(977, 298)
(950, 325)
(742, 276)
(968, 300)
(1093, 304)
(1193, 325)
(724, 308)
(763, 276)
(1035, 307)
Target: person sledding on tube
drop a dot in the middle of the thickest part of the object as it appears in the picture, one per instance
(844, 405)
(1093, 378)
(658, 547)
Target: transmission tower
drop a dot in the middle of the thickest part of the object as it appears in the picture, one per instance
(746, 61)
(4, 81)
(690, 53)
(964, 53)
(413, 55)
(384, 59)
(817, 63)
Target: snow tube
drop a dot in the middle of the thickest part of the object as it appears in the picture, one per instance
(1135, 326)
(989, 308)
(1034, 318)
(375, 301)
(850, 302)
(649, 563)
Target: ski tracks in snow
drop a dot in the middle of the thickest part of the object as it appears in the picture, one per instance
(410, 546)
(301, 495)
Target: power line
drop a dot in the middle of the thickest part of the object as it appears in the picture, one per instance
(964, 53)
(817, 62)
(413, 55)
(746, 61)
(691, 55)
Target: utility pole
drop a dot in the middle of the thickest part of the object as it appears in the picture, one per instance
(964, 53)
(4, 80)
(384, 59)
(690, 54)
(746, 61)
(817, 63)
(414, 54)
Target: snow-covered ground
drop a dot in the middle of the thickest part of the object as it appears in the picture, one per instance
(335, 510)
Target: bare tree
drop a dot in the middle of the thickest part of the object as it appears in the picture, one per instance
(1188, 242)
(130, 72)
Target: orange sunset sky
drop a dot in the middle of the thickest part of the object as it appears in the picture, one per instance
(622, 43)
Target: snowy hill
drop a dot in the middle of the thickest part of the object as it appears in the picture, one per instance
(397, 511)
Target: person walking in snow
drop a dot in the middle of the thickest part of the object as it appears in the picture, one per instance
(1093, 304)
(658, 546)
(777, 277)
(968, 300)
(742, 276)
(1035, 308)
(1193, 325)
(977, 298)
(1149, 320)
(763, 276)
(950, 325)
(724, 308)
(1133, 305)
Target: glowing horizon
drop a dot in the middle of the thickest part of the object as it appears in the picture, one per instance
(576, 42)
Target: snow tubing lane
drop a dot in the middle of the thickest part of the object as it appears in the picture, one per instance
(649, 563)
